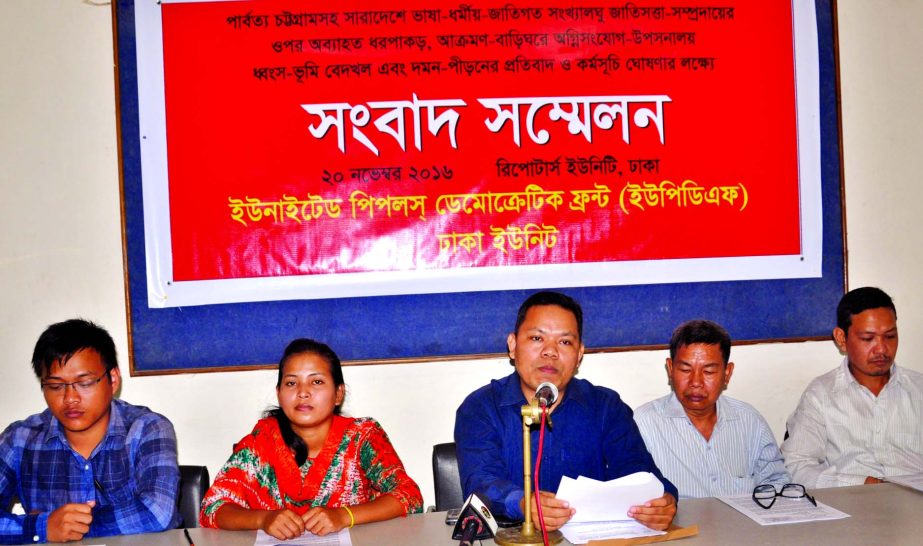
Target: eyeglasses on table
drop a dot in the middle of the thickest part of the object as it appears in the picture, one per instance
(765, 494)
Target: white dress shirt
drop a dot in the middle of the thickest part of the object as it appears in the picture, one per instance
(840, 433)
(741, 453)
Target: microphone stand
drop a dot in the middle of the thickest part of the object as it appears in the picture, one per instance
(526, 533)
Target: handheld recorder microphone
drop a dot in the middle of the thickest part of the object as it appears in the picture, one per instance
(475, 522)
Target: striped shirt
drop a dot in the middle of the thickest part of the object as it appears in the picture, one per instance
(841, 433)
(741, 453)
(132, 475)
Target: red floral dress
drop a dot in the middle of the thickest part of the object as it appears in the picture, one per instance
(356, 465)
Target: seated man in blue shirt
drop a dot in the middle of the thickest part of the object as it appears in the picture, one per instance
(709, 445)
(89, 465)
(593, 434)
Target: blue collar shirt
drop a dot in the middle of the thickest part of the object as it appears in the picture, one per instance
(593, 435)
(132, 475)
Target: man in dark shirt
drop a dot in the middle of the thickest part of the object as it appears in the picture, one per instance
(594, 434)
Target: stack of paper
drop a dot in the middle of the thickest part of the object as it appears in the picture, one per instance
(602, 507)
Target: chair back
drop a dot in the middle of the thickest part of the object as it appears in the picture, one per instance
(446, 480)
(193, 483)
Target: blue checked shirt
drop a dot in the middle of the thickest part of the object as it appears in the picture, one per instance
(132, 475)
(593, 436)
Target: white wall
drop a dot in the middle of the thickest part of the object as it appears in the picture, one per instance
(61, 255)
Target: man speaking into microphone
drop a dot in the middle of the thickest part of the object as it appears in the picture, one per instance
(593, 435)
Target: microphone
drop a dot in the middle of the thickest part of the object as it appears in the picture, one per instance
(546, 394)
(474, 523)
(471, 527)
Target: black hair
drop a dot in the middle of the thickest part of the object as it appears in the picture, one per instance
(859, 300)
(62, 340)
(701, 331)
(551, 298)
(298, 347)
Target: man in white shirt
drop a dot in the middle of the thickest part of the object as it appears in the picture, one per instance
(707, 444)
(862, 421)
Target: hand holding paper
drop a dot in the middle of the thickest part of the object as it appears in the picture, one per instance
(555, 511)
(608, 501)
(599, 505)
(656, 513)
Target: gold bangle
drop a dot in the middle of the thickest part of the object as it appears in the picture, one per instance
(352, 520)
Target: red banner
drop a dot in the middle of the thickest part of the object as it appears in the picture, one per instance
(315, 137)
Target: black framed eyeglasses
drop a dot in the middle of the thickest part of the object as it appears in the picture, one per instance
(765, 494)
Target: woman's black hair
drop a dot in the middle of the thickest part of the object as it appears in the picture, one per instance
(298, 347)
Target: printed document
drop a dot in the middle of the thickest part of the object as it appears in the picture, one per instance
(783, 511)
(308, 539)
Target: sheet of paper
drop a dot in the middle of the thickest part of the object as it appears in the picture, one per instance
(784, 510)
(597, 501)
(308, 539)
(581, 533)
(914, 481)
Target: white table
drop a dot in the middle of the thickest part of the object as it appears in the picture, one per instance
(879, 514)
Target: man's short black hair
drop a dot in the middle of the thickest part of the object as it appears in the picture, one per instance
(62, 340)
(551, 298)
(859, 300)
(701, 331)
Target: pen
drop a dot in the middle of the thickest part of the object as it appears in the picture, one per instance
(188, 538)
(99, 488)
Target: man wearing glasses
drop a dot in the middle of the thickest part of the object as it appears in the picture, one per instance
(863, 420)
(707, 444)
(89, 465)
